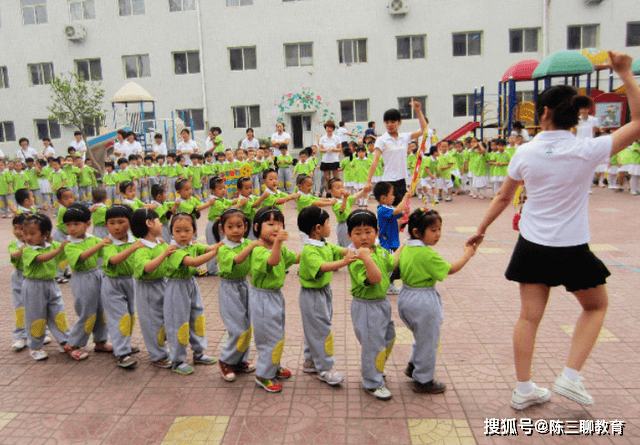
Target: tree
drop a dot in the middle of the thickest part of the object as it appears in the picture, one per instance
(77, 102)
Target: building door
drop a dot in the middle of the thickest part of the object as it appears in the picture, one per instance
(301, 130)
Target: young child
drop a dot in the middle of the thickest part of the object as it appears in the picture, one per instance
(428, 176)
(245, 194)
(117, 283)
(162, 207)
(369, 142)
(31, 177)
(419, 303)
(306, 197)
(370, 308)
(271, 196)
(161, 172)
(304, 166)
(6, 199)
(207, 173)
(445, 165)
(388, 217)
(195, 172)
(65, 199)
(284, 162)
(342, 208)
(129, 195)
(43, 182)
(318, 261)
(347, 169)
(110, 182)
(149, 271)
(187, 203)
(360, 165)
(86, 283)
(24, 199)
(85, 179)
(43, 305)
(183, 310)
(269, 262)
(98, 212)
(234, 257)
(478, 165)
(500, 162)
(174, 171)
(72, 175)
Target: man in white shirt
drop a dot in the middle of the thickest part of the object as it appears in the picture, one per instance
(25, 151)
(79, 144)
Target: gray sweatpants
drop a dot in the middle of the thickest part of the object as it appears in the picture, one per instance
(74, 190)
(119, 307)
(375, 331)
(184, 318)
(233, 305)
(266, 307)
(316, 309)
(421, 310)
(60, 236)
(342, 234)
(149, 296)
(19, 330)
(5, 202)
(86, 287)
(43, 307)
(37, 198)
(84, 193)
(284, 179)
(171, 188)
(112, 194)
(256, 182)
(212, 266)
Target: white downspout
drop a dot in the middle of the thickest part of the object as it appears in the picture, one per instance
(205, 111)
(545, 28)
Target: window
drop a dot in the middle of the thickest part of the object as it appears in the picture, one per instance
(463, 105)
(354, 110)
(92, 128)
(182, 5)
(34, 12)
(239, 2)
(582, 36)
(524, 96)
(47, 128)
(242, 59)
(410, 47)
(187, 62)
(523, 40)
(89, 69)
(246, 116)
(467, 44)
(130, 7)
(633, 34)
(405, 108)
(7, 132)
(298, 54)
(82, 9)
(41, 73)
(137, 66)
(4, 77)
(352, 51)
(192, 115)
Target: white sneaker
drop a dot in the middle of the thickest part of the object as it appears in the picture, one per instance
(381, 393)
(38, 355)
(393, 290)
(538, 396)
(572, 390)
(47, 340)
(331, 377)
(19, 344)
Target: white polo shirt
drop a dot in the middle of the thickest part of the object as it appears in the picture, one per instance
(585, 127)
(394, 155)
(28, 153)
(253, 143)
(280, 137)
(81, 148)
(186, 149)
(556, 168)
(330, 143)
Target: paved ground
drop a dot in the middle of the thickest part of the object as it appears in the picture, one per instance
(94, 402)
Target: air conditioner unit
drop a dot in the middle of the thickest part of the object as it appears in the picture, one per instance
(592, 2)
(75, 31)
(398, 7)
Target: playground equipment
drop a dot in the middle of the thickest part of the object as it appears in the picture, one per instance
(510, 109)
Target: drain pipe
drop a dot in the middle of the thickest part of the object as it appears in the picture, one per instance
(205, 110)
(545, 28)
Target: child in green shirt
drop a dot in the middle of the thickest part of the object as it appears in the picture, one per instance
(129, 195)
(98, 212)
(6, 199)
(342, 208)
(361, 165)
(65, 199)
(43, 181)
(271, 197)
(15, 256)
(284, 161)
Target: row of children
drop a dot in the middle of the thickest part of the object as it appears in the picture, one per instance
(624, 165)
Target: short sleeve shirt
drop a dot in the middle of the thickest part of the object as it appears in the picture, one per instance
(342, 216)
(314, 254)
(13, 247)
(227, 253)
(420, 265)
(389, 236)
(264, 276)
(394, 155)
(329, 143)
(280, 137)
(47, 270)
(360, 288)
(220, 206)
(117, 270)
(145, 254)
(176, 269)
(253, 143)
(74, 249)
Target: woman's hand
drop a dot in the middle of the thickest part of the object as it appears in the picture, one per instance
(620, 62)
(475, 240)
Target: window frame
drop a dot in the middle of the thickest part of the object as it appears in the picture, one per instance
(3, 131)
(41, 73)
(299, 57)
(468, 104)
(198, 124)
(187, 63)
(354, 110)
(4, 77)
(84, 9)
(582, 28)
(89, 70)
(130, 4)
(635, 39)
(239, 3)
(411, 46)
(523, 40)
(52, 126)
(249, 121)
(355, 51)
(468, 36)
(402, 104)
(243, 50)
(34, 9)
(182, 9)
(139, 65)
(92, 129)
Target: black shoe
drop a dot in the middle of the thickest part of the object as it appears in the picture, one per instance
(432, 387)
(408, 371)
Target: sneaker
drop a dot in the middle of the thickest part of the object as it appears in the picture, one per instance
(134, 350)
(283, 373)
(439, 198)
(164, 363)
(126, 361)
(449, 199)
(203, 359)
(227, 372)
(76, 353)
(47, 340)
(309, 367)
(331, 377)
(408, 371)
(393, 290)
(244, 368)
(521, 401)
(572, 390)
(269, 385)
(381, 393)
(183, 369)
(436, 201)
(19, 344)
(432, 387)
(38, 354)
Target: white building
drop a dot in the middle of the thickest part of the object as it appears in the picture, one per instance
(229, 62)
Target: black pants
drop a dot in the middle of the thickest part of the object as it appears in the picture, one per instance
(399, 190)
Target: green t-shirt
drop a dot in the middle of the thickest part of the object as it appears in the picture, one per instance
(19, 181)
(13, 247)
(110, 178)
(56, 178)
(135, 204)
(314, 254)
(284, 161)
(614, 160)
(86, 177)
(411, 161)
(5, 179)
(123, 269)
(189, 205)
(635, 153)
(264, 276)
(42, 271)
(220, 206)
(145, 254)
(31, 176)
(342, 216)
(124, 175)
(196, 176)
(361, 169)
(74, 249)
(443, 161)
(511, 150)
(421, 266)
(501, 157)
(270, 201)
(386, 262)
(44, 173)
(59, 223)
(429, 165)
(98, 217)
(175, 268)
(226, 254)
(305, 201)
(72, 175)
(219, 148)
(163, 210)
(348, 171)
(478, 164)
(625, 157)
(303, 169)
(248, 209)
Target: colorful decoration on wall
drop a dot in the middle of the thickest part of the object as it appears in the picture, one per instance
(305, 101)
(231, 178)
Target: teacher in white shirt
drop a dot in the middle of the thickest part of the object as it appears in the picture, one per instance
(280, 136)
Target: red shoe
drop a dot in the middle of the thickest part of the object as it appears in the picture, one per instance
(283, 373)
(269, 385)
(227, 372)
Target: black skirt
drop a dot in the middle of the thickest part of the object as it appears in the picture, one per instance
(329, 166)
(575, 267)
